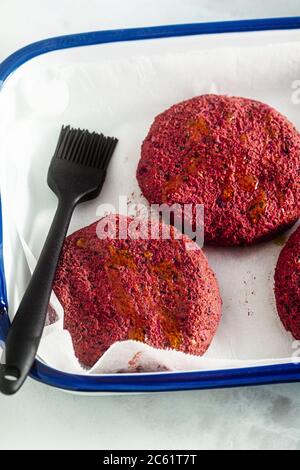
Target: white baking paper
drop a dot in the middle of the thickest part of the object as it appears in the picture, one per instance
(119, 90)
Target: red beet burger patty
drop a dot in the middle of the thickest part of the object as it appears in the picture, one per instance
(287, 285)
(158, 291)
(238, 157)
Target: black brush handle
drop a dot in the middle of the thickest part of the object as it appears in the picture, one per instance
(27, 327)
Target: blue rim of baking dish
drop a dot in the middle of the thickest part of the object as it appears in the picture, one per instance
(150, 382)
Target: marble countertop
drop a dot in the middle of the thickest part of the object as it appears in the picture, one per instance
(40, 417)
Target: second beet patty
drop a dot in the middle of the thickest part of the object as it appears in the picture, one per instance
(156, 291)
(238, 157)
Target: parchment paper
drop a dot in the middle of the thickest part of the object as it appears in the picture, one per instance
(120, 96)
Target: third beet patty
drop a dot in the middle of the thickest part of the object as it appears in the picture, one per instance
(238, 157)
(287, 285)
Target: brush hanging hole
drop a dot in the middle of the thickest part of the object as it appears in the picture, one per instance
(11, 374)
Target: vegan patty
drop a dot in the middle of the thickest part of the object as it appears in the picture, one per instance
(158, 291)
(238, 157)
(287, 285)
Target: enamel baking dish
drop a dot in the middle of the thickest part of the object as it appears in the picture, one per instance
(130, 43)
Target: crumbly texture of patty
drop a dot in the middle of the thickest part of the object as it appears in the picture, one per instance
(287, 285)
(156, 291)
(238, 157)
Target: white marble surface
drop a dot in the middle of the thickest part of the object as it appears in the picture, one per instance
(41, 417)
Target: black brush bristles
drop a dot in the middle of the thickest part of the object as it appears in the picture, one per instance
(85, 148)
